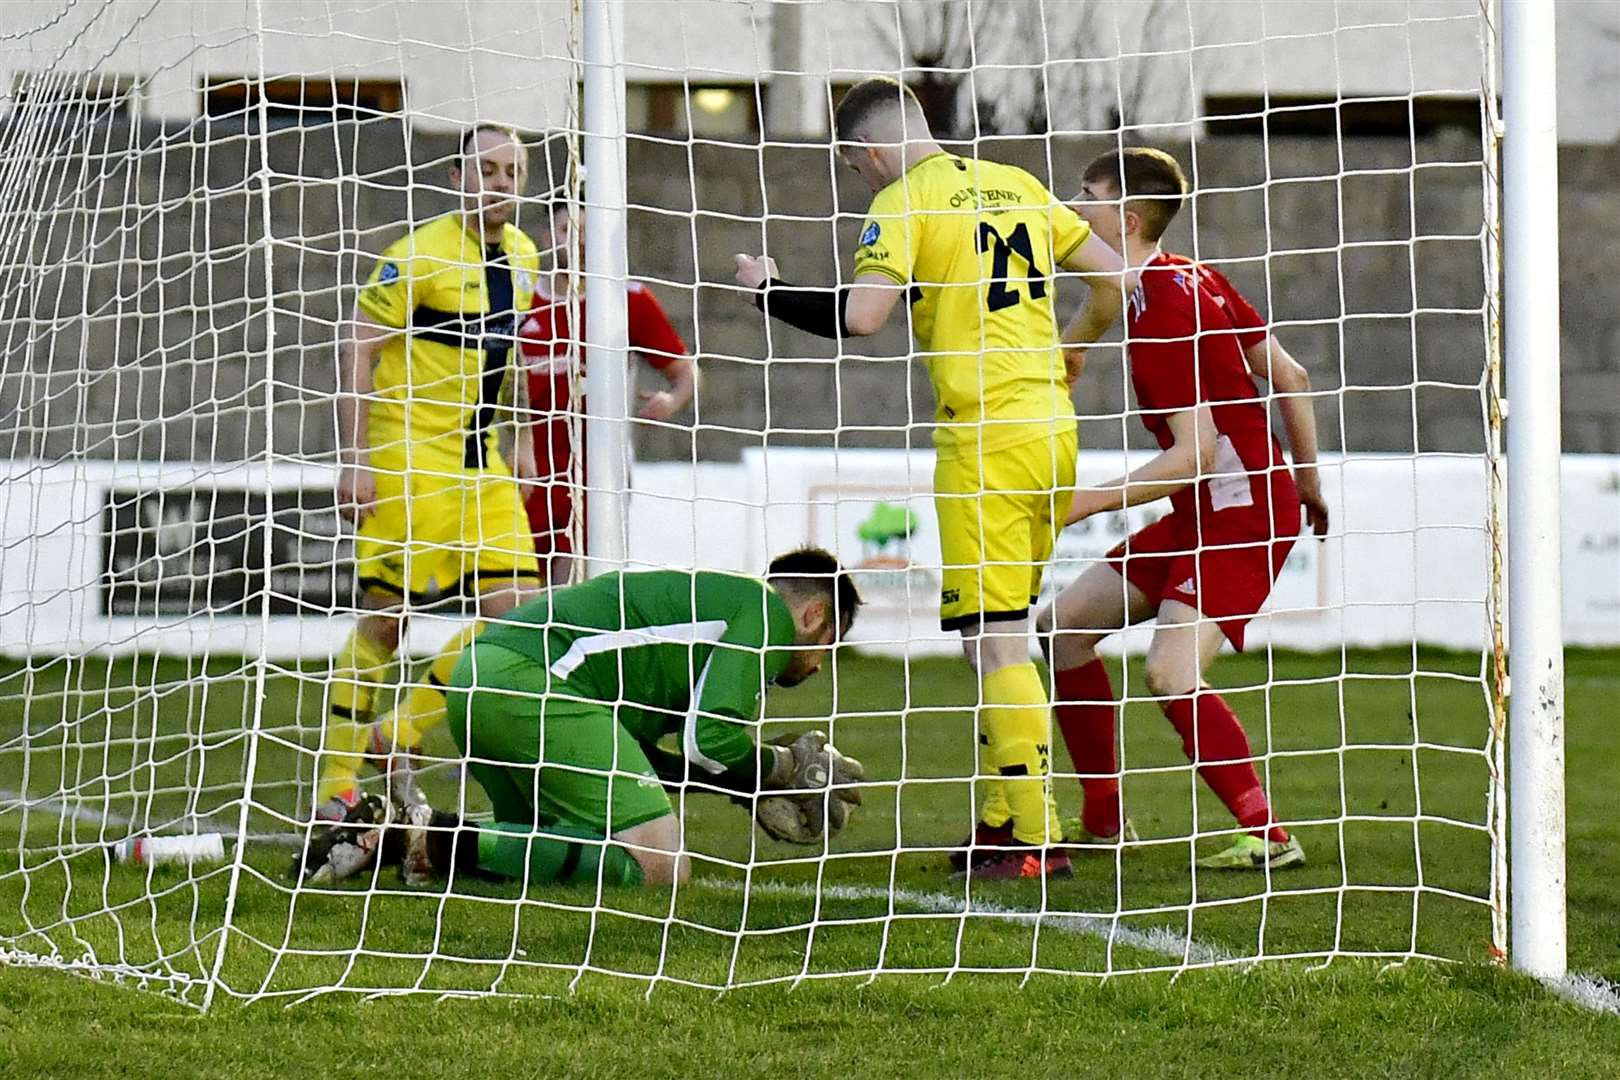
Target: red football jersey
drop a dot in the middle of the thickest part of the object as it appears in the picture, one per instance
(1188, 328)
(548, 344)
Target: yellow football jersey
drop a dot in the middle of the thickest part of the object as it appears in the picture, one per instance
(437, 386)
(978, 241)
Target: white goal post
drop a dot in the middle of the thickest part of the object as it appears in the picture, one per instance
(190, 205)
(1535, 583)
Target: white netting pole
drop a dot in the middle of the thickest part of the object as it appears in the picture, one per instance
(607, 336)
(1535, 604)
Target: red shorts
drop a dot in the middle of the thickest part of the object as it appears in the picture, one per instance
(1228, 575)
(550, 504)
(550, 498)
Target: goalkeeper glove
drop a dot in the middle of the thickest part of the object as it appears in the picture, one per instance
(803, 768)
(808, 761)
(805, 818)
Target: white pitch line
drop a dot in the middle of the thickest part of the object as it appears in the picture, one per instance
(1588, 991)
(65, 810)
(1161, 940)
(60, 809)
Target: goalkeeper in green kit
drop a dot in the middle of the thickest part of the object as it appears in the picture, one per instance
(559, 708)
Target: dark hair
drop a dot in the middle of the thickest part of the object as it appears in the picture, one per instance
(867, 97)
(469, 138)
(1151, 180)
(814, 572)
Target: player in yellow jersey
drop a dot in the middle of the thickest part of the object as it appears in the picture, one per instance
(421, 383)
(971, 244)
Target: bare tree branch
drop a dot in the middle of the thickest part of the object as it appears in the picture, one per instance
(1024, 67)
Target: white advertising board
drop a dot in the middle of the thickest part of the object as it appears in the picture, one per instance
(125, 557)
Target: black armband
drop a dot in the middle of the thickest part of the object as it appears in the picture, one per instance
(815, 311)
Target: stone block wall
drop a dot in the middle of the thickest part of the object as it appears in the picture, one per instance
(175, 293)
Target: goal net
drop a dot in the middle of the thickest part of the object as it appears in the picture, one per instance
(195, 197)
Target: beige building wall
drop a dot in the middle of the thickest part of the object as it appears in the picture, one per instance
(508, 59)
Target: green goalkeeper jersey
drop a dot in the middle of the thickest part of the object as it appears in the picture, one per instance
(674, 650)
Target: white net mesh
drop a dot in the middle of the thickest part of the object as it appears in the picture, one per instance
(193, 196)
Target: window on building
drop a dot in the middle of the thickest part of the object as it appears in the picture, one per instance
(1305, 114)
(301, 101)
(727, 112)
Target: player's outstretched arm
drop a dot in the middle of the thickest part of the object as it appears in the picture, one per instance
(660, 345)
(1189, 457)
(357, 358)
(856, 310)
(1270, 361)
(1105, 273)
(682, 376)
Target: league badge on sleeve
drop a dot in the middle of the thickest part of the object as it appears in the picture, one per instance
(388, 274)
(869, 235)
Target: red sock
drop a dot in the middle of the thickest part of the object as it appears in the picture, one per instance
(1085, 710)
(1221, 739)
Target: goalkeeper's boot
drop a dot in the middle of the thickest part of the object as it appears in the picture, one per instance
(413, 815)
(1249, 852)
(1014, 864)
(984, 836)
(335, 809)
(422, 843)
(1077, 836)
(381, 755)
(343, 850)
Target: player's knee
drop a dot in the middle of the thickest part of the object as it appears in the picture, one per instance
(1048, 642)
(664, 867)
(1071, 649)
(1166, 676)
(656, 847)
(996, 648)
(382, 629)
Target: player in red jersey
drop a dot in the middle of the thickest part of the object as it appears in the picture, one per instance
(548, 344)
(1194, 345)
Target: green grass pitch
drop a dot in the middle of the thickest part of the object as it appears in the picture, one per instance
(1376, 759)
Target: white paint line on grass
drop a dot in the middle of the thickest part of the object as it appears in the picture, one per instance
(1588, 991)
(1161, 940)
(63, 809)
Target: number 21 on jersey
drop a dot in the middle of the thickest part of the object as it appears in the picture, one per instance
(1001, 295)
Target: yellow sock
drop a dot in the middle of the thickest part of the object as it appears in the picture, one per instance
(994, 810)
(423, 708)
(356, 670)
(1018, 719)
